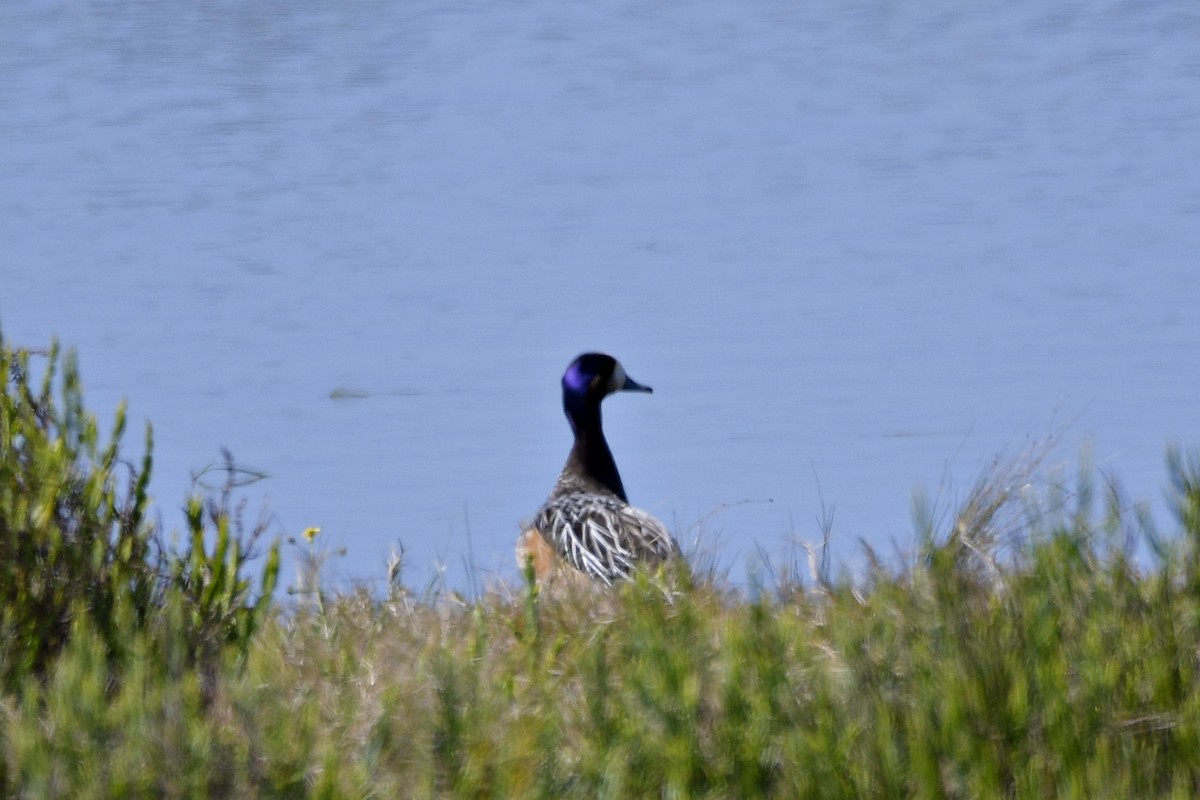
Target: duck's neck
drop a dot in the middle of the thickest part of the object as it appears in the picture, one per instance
(590, 456)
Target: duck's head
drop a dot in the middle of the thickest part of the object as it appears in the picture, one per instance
(593, 376)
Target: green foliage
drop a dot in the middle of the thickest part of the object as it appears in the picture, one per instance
(1065, 671)
(73, 537)
(79, 552)
(1031, 649)
(212, 599)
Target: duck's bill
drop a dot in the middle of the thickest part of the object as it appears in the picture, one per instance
(631, 385)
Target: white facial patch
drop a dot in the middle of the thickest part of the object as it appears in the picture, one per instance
(618, 378)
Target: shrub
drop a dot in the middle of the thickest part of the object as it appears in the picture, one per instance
(76, 540)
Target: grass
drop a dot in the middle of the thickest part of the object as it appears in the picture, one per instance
(1024, 651)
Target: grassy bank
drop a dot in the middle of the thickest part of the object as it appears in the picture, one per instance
(1020, 653)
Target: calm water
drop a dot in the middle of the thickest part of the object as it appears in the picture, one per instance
(857, 249)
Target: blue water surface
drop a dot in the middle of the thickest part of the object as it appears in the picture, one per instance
(857, 248)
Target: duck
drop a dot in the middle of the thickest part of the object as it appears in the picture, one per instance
(587, 525)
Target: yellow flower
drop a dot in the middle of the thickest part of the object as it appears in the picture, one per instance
(310, 534)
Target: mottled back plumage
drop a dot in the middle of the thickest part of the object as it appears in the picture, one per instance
(602, 535)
